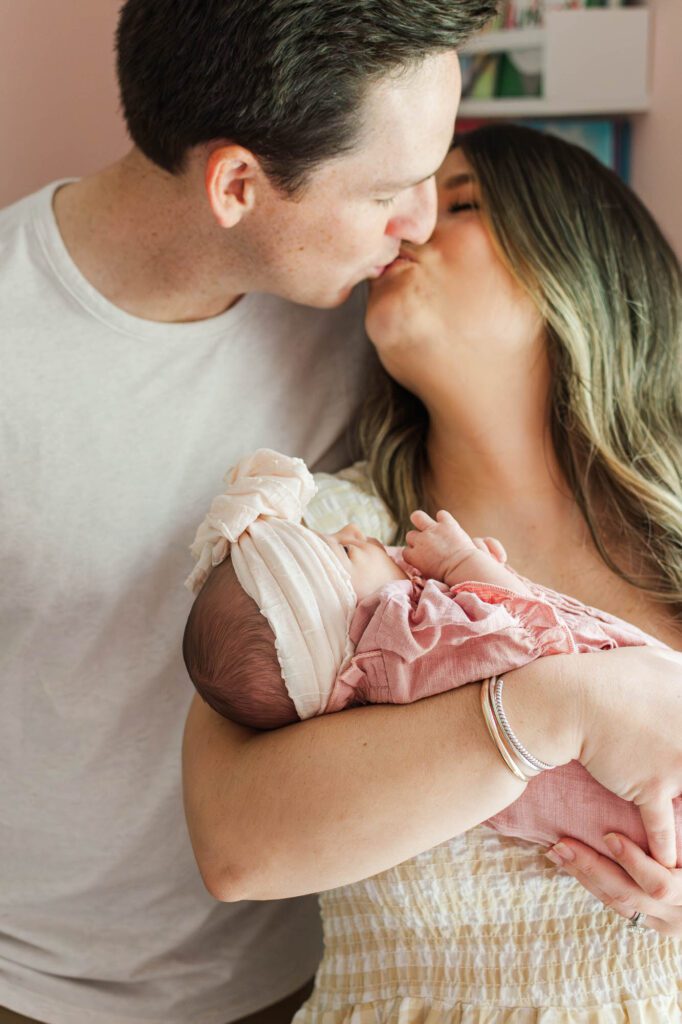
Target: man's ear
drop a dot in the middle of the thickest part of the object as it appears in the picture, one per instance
(230, 180)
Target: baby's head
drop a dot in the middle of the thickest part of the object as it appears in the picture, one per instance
(229, 646)
(229, 650)
(304, 589)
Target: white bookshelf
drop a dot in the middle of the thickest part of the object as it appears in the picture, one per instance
(505, 39)
(594, 61)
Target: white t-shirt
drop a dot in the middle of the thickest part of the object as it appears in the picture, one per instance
(115, 435)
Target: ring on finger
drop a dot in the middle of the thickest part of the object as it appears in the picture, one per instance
(636, 922)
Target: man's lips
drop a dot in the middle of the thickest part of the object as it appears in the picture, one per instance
(402, 259)
(379, 270)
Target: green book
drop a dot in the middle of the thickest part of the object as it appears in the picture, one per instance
(483, 86)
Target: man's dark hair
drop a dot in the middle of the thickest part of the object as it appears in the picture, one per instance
(283, 78)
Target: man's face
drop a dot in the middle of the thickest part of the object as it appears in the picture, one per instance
(353, 214)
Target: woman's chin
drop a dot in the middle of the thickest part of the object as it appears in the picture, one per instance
(388, 317)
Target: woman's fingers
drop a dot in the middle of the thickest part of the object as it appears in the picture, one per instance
(659, 882)
(658, 818)
(617, 890)
(624, 909)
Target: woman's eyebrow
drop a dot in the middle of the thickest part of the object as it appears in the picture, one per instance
(458, 179)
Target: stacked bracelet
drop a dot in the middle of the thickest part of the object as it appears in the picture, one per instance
(519, 761)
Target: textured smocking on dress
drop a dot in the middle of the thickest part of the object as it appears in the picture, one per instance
(482, 929)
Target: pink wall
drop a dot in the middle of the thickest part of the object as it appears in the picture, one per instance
(657, 138)
(58, 99)
(59, 107)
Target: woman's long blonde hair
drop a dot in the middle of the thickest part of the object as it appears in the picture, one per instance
(609, 289)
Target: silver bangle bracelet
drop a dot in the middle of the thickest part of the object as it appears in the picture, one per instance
(497, 738)
(533, 764)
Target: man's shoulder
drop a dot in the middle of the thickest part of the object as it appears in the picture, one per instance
(19, 213)
(18, 221)
(13, 223)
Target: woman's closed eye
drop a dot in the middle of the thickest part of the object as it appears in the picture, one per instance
(457, 207)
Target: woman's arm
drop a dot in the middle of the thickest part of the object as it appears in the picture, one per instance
(338, 798)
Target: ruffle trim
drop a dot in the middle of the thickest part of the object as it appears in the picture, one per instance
(663, 1009)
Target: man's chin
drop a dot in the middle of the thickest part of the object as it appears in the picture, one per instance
(330, 300)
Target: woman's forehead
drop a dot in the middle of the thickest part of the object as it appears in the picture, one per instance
(455, 170)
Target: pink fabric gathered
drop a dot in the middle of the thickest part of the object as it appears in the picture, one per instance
(290, 572)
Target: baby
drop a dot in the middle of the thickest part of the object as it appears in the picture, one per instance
(302, 624)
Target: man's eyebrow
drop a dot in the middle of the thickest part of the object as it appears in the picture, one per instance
(458, 179)
(400, 186)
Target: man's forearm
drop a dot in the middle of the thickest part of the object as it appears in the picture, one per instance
(342, 797)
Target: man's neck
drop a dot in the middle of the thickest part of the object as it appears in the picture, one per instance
(147, 241)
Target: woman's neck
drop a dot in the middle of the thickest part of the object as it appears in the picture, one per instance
(491, 458)
(493, 466)
(503, 479)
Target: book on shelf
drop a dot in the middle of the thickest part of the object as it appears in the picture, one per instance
(531, 13)
(493, 75)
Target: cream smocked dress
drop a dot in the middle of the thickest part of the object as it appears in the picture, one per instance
(481, 929)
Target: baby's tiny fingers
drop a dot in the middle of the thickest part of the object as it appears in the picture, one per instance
(443, 516)
(496, 549)
(421, 519)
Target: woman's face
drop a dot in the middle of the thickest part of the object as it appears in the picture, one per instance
(450, 302)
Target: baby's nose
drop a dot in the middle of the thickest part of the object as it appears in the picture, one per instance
(351, 532)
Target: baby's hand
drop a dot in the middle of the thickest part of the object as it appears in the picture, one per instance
(438, 546)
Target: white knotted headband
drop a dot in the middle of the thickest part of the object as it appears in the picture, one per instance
(290, 572)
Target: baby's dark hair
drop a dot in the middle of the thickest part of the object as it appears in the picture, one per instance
(229, 651)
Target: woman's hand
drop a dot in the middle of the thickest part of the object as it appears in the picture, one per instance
(635, 883)
(631, 736)
(620, 714)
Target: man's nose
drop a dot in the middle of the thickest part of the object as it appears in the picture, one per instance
(416, 222)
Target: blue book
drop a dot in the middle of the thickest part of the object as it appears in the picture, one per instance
(607, 139)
